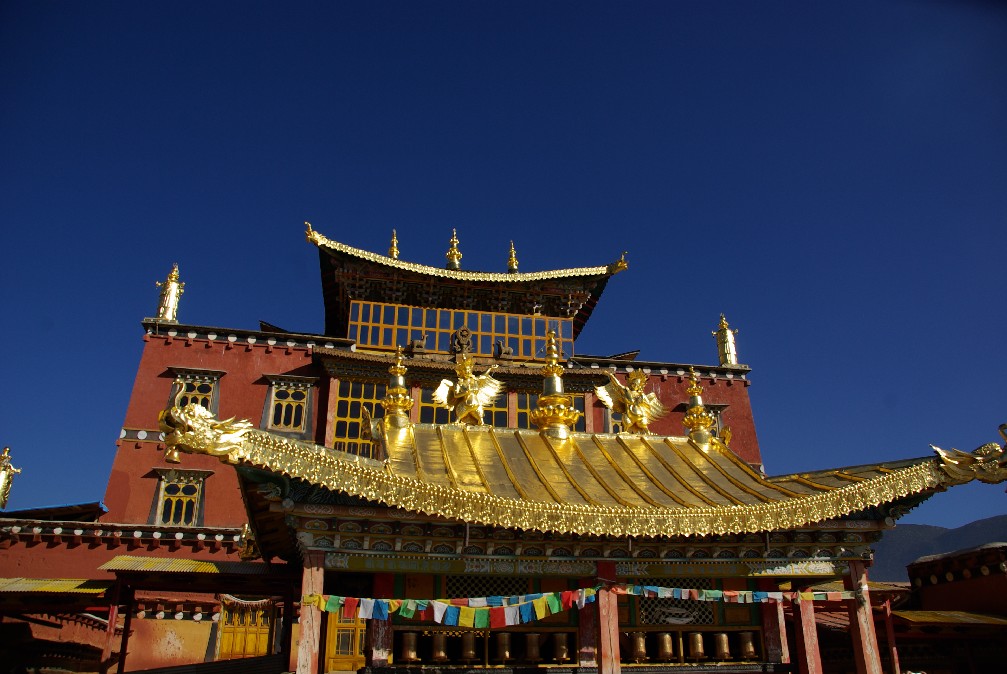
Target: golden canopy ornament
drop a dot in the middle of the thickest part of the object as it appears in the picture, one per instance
(7, 473)
(470, 394)
(638, 409)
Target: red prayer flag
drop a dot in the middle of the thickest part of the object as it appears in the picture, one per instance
(350, 607)
(498, 617)
(567, 597)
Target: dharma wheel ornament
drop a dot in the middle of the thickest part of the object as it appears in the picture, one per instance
(698, 419)
(555, 413)
(726, 347)
(7, 473)
(454, 255)
(171, 293)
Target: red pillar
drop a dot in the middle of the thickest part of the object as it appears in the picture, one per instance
(311, 617)
(379, 632)
(587, 636)
(608, 623)
(113, 618)
(865, 641)
(774, 630)
(893, 652)
(808, 658)
(127, 625)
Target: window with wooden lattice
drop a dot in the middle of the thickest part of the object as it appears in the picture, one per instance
(179, 499)
(289, 407)
(198, 387)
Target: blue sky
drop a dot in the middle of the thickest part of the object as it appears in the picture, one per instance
(830, 175)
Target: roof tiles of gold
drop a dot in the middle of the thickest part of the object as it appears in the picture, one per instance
(625, 484)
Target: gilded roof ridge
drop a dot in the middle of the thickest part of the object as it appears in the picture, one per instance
(324, 242)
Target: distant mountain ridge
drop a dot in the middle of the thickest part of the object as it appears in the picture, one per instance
(908, 542)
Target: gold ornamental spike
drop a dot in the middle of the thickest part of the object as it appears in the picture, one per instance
(171, 293)
(393, 251)
(698, 419)
(454, 255)
(512, 260)
(555, 414)
(397, 401)
(726, 347)
(7, 473)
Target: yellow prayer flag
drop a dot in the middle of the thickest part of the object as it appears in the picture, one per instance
(466, 616)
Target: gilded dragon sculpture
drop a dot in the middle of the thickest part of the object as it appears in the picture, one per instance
(987, 463)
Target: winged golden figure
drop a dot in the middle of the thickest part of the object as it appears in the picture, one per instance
(638, 409)
(470, 394)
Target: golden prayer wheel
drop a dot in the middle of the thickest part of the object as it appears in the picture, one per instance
(440, 650)
(560, 650)
(746, 641)
(531, 652)
(665, 647)
(696, 651)
(469, 646)
(721, 647)
(409, 653)
(503, 646)
(638, 650)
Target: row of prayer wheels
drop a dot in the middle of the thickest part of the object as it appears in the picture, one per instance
(697, 644)
(557, 644)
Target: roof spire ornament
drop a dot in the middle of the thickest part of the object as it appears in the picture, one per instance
(397, 401)
(555, 413)
(726, 347)
(698, 419)
(454, 255)
(393, 251)
(171, 293)
(512, 260)
(7, 473)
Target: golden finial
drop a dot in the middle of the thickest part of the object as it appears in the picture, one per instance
(7, 473)
(454, 255)
(726, 347)
(171, 293)
(619, 265)
(555, 414)
(397, 401)
(698, 419)
(393, 251)
(512, 260)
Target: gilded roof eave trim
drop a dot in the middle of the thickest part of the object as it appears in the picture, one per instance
(192, 429)
(324, 243)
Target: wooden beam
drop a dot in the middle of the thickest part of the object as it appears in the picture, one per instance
(311, 617)
(774, 630)
(127, 625)
(608, 623)
(113, 618)
(809, 659)
(866, 655)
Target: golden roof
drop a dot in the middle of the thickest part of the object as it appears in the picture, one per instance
(179, 565)
(625, 484)
(324, 243)
(54, 585)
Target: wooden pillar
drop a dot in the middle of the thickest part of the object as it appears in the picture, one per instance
(774, 631)
(893, 652)
(330, 412)
(127, 625)
(312, 581)
(608, 623)
(113, 618)
(587, 636)
(379, 632)
(865, 641)
(287, 634)
(809, 659)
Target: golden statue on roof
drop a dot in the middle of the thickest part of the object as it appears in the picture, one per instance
(638, 409)
(470, 394)
(7, 473)
(171, 293)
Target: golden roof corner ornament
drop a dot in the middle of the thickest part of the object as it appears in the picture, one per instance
(7, 473)
(470, 394)
(512, 260)
(454, 255)
(194, 429)
(698, 419)
(987, 463)
(726, 347)
(619, 265)
(311, 235)
(171, 293)
(393, 250)
(638, 409)
(555, 414)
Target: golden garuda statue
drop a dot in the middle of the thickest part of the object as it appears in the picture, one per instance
(7, 473)
(638, 409)
(470, 394)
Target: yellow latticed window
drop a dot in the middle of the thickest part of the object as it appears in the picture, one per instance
(288, 410)
(353, 397)
(526, 402)
(195, 387)
(246, 627)
(344, 643)
(385, 326)
(180, 497)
